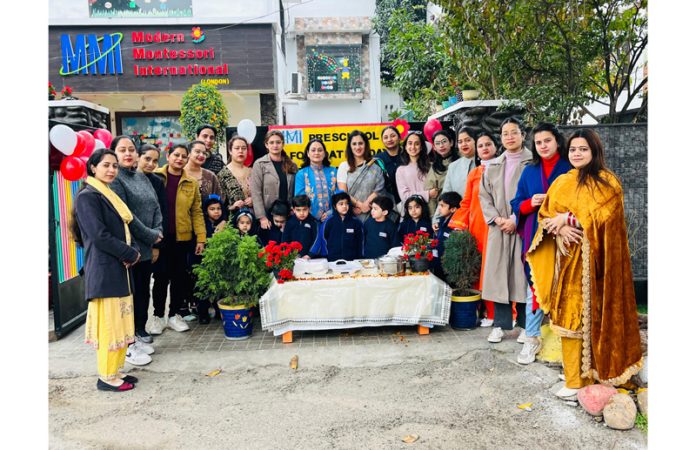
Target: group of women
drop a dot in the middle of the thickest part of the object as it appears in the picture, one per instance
(548, 222)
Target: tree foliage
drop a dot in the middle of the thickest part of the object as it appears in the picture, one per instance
(554, 55)
(203, 104)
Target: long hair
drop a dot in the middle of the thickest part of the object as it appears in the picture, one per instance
(398, 135)
(592, 169)
(423, 162)
(425, 212)
(490, 136)
(288, 165)
(560, 141)
(117, 139)
(94, 159)
(305, 160)
(438, 160)
(230, 143)
(350, 157)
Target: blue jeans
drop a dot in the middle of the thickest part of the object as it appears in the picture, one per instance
(533, 320)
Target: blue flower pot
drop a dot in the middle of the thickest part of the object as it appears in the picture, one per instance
(464, 312)
(236, 321)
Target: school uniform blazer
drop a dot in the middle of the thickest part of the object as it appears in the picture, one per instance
(302, 231)
(339, 239)
(105, 248)
(409, 226)
(380, 237)
(265, 185)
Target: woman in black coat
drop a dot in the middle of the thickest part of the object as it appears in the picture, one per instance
(100, 225)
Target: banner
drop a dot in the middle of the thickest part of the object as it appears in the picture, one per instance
(335, 139)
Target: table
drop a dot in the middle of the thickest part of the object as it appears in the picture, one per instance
(355, 301)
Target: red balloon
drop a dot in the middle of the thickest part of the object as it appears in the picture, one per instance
(72, 168)
(249, 157)
(80, 146)
(88, 145)
(104, 135)
(431, 126)
(84, 160)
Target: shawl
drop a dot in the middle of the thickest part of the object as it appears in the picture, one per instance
(597, 273)
(118, 204)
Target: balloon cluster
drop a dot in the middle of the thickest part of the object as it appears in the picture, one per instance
(247, 129)
(77, 147)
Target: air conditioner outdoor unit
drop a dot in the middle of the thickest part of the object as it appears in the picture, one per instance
(296, 83)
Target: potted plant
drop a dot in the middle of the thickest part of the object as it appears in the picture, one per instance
(469, 91)
(232, 273)
(418, 250)
(51, 91)
(461, 262)
(66, 93)
(280, 258)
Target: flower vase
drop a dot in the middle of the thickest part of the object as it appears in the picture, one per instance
(419, 265)
(236, 321)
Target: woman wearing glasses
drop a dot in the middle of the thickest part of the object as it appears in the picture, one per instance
(581, 267)
(442, 156)
(359, 176)
(504, 282)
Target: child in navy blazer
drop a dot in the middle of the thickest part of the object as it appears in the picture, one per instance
(446, 206)
(380, 232)
(302, 226)
(341, 235)
(280, 210)
(417, 218)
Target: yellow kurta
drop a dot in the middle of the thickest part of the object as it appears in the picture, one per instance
(588, 292)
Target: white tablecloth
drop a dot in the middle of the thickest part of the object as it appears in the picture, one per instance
(352, 302)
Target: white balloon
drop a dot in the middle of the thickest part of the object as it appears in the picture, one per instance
(428, 146)
(246, 129)
(63, 138)
(99, 144)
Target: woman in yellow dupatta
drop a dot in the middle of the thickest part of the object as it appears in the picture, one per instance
(583, 275)
(100, 226)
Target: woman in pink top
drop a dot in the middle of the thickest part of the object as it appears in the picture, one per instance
(410, 177)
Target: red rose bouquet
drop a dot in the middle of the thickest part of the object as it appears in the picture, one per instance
(281, 258)
(419, 246)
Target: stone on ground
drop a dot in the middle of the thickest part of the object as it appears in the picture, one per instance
(594, 398)
(642, 398)
(620, 412)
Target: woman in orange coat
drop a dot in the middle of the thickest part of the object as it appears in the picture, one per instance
(469, 215)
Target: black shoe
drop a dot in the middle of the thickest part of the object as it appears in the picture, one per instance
(204, 319)
(130, 379)
(125, 386)
(144, 336)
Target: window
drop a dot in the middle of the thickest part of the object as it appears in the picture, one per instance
(334, 68)
(140, 8)
(160, 128)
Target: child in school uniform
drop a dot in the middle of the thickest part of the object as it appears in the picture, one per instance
(213, 214)
(446, 206)
(341, 235)
(279, 213)
(380, 232)
(417, 218)
(246, 223)
(301, 226)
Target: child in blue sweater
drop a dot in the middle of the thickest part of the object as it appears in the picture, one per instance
(213, 214)
(417, 218)
(280, 210)
(380, 232)
(341, 235)
(301, 226)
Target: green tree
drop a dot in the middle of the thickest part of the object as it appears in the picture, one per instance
(202, 104)
(554, 55)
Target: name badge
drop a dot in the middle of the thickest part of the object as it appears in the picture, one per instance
(309, 226)
(446, 234)
(435, 255)
(382, 234)
(349, 230)
(423, 229)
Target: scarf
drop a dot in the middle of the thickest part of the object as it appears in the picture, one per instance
(118, 204)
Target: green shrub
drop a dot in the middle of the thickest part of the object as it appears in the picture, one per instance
(231, 269)
(461, 261)
(201, 104)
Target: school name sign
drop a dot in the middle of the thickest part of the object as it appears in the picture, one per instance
(154, 58)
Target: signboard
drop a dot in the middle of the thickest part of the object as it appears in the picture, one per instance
(140, 8)
(161, 58)
(335, 139)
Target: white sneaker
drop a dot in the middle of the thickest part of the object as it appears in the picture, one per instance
(529, 351)
(522, 338)
(561, 376)
(176, 323)
(496, 335)
(565, 392)
(142, 347)
(485, 322)
(157, 325)
(136, 357)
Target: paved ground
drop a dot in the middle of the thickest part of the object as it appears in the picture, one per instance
(364, 388)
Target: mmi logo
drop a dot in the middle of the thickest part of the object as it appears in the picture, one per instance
(91, 54)
(292, 136)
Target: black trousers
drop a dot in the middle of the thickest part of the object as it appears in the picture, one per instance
(503, 315)
(173, 274)
(141, 293)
